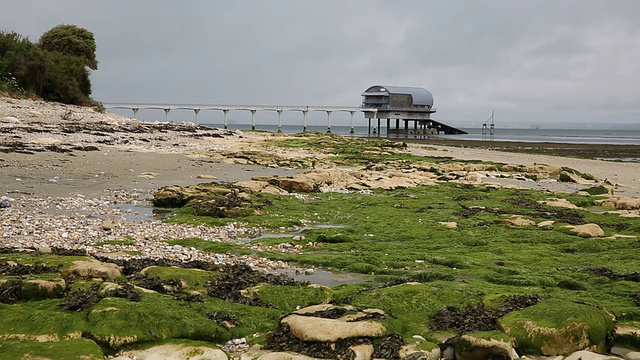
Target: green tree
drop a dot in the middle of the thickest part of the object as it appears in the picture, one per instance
(73, 41)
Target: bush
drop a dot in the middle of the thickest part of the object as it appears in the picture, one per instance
(50, 71)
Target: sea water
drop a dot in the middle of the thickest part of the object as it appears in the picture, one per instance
(568, 136)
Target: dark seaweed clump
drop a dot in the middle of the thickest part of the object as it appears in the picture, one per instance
(603, 271)
(389, 347)
(11, 292)
(168, 286)
(126, 291)
(223, 319)
(477, 317)
(82, 299)
(230, 283)
(21, 269)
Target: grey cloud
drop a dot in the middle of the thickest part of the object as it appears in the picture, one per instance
(531, 61)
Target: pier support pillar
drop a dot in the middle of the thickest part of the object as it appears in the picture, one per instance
(253, 120)
(279, 121)
(226, 120)
(328, 121)
(352, 125)
(197, 111)
(369, 131)
(135, 112)
(388, 124)
(166, 114)
(304, 120)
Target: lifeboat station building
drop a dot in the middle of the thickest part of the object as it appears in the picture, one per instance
(410, 107)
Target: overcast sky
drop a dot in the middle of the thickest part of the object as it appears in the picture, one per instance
(536, 63)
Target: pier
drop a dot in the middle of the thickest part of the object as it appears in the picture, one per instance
(197, 108)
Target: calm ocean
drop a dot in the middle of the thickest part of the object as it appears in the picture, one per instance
(569, 136)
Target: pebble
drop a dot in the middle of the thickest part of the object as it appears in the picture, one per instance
(5, 202)
(96, 225)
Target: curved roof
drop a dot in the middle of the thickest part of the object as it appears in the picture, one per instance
(420, 96)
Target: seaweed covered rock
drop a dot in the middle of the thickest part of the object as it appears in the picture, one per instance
(176, 196)
(555, 327)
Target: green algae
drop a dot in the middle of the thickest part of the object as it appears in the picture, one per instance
(554, 327)
(60, 350)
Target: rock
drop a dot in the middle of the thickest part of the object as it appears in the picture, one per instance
(588, 355)
(628, 333)
(49, 288)
(564, 203)
(299, 238)
(362, 351)
(94, 269)
(44, 250)
(176, 196)
(308, 328)
(586, 230)
(420, 350)
(311, 328)
(517, 220)
(546, 223)
(207, 177)
(309, 272)
(449, 224)
(5, 202)
(556, 327)
(178, 352)
(296, 185)
(566, 176)
(10, 120)
(620, 203)
(449, 353)
(487, 345)
(632, 355)
(107, 225)
(45, 142)
(479, 167)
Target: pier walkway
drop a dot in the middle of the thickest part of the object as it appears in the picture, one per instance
(196, 108)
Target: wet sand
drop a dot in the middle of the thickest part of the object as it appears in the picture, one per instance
(90, 173)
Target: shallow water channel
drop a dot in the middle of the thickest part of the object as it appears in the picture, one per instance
(146, 212)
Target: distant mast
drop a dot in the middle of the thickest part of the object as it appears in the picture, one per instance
(488, 131)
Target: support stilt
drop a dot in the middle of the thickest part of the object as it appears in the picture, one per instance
(197, 111)
(328, 121)
(226, 120)
(304, 120)
(166, 114)
(352, 124)
(279, 121)
(253, 120)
